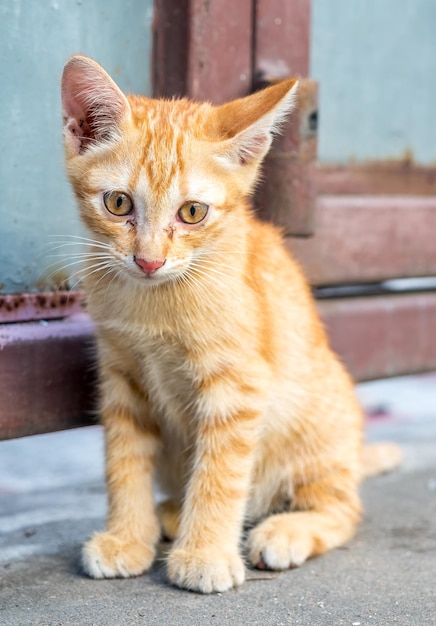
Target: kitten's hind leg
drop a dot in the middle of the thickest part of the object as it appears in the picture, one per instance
(286, 540)
(168, 513)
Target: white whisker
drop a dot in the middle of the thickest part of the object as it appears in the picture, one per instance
(74, 244)
(97, 267)
(108, 268)
(205, 271)
(82, 255)
(79, 238)
(72, 278)
(200, 286)
(75, 262)
(117, 273)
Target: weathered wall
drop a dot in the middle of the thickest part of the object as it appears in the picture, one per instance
(375, 60)
(36, 38)
(376, 63)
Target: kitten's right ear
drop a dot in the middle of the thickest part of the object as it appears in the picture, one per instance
(248, 124)
(93, 105)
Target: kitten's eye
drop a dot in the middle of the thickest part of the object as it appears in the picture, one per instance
(118, 203)
(193, 212)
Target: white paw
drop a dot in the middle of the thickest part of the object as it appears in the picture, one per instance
(108, 556)
(273, 546)
(205, 571)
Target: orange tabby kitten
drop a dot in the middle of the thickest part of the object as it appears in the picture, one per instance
(217, 381)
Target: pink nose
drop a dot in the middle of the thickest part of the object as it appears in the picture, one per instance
(149, 267)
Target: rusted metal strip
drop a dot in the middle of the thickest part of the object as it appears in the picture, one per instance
(202, 49)
(368, 239)
(384, 177)
(39, 306)
(47, 377)
(383, 336)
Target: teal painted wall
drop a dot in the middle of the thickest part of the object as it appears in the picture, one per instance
(375, 60)
(36, 38)
(376, 64)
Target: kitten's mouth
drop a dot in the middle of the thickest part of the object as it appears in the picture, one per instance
(151, 278)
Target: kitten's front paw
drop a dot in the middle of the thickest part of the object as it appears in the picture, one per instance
(207, 572)
(108, 556)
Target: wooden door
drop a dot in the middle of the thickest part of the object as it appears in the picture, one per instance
(353, 227)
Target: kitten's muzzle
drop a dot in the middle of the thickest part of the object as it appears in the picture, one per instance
(148, 267)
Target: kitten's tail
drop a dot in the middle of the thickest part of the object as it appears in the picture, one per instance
(378, 458)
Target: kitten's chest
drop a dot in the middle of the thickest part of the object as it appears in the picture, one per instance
(161, 366)
(169, 348)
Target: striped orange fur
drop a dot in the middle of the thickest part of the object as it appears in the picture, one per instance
(217, 381)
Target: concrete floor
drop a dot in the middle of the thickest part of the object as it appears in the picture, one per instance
(52, 498)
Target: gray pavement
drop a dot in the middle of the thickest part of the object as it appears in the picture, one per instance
(52, 498)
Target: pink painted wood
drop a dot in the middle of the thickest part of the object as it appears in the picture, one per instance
(281, 49)
(282, 39)
(362, 239)
(382, 336)
(203, 49)
(47, 379)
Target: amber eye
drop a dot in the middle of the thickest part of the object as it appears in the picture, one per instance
(193, 212)
(118, 203)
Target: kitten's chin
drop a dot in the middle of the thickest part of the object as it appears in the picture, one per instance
(151, 280)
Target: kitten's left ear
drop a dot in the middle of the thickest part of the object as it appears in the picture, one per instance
(250, 123)
(93, 105)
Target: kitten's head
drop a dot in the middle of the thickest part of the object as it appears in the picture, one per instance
(163, 183)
